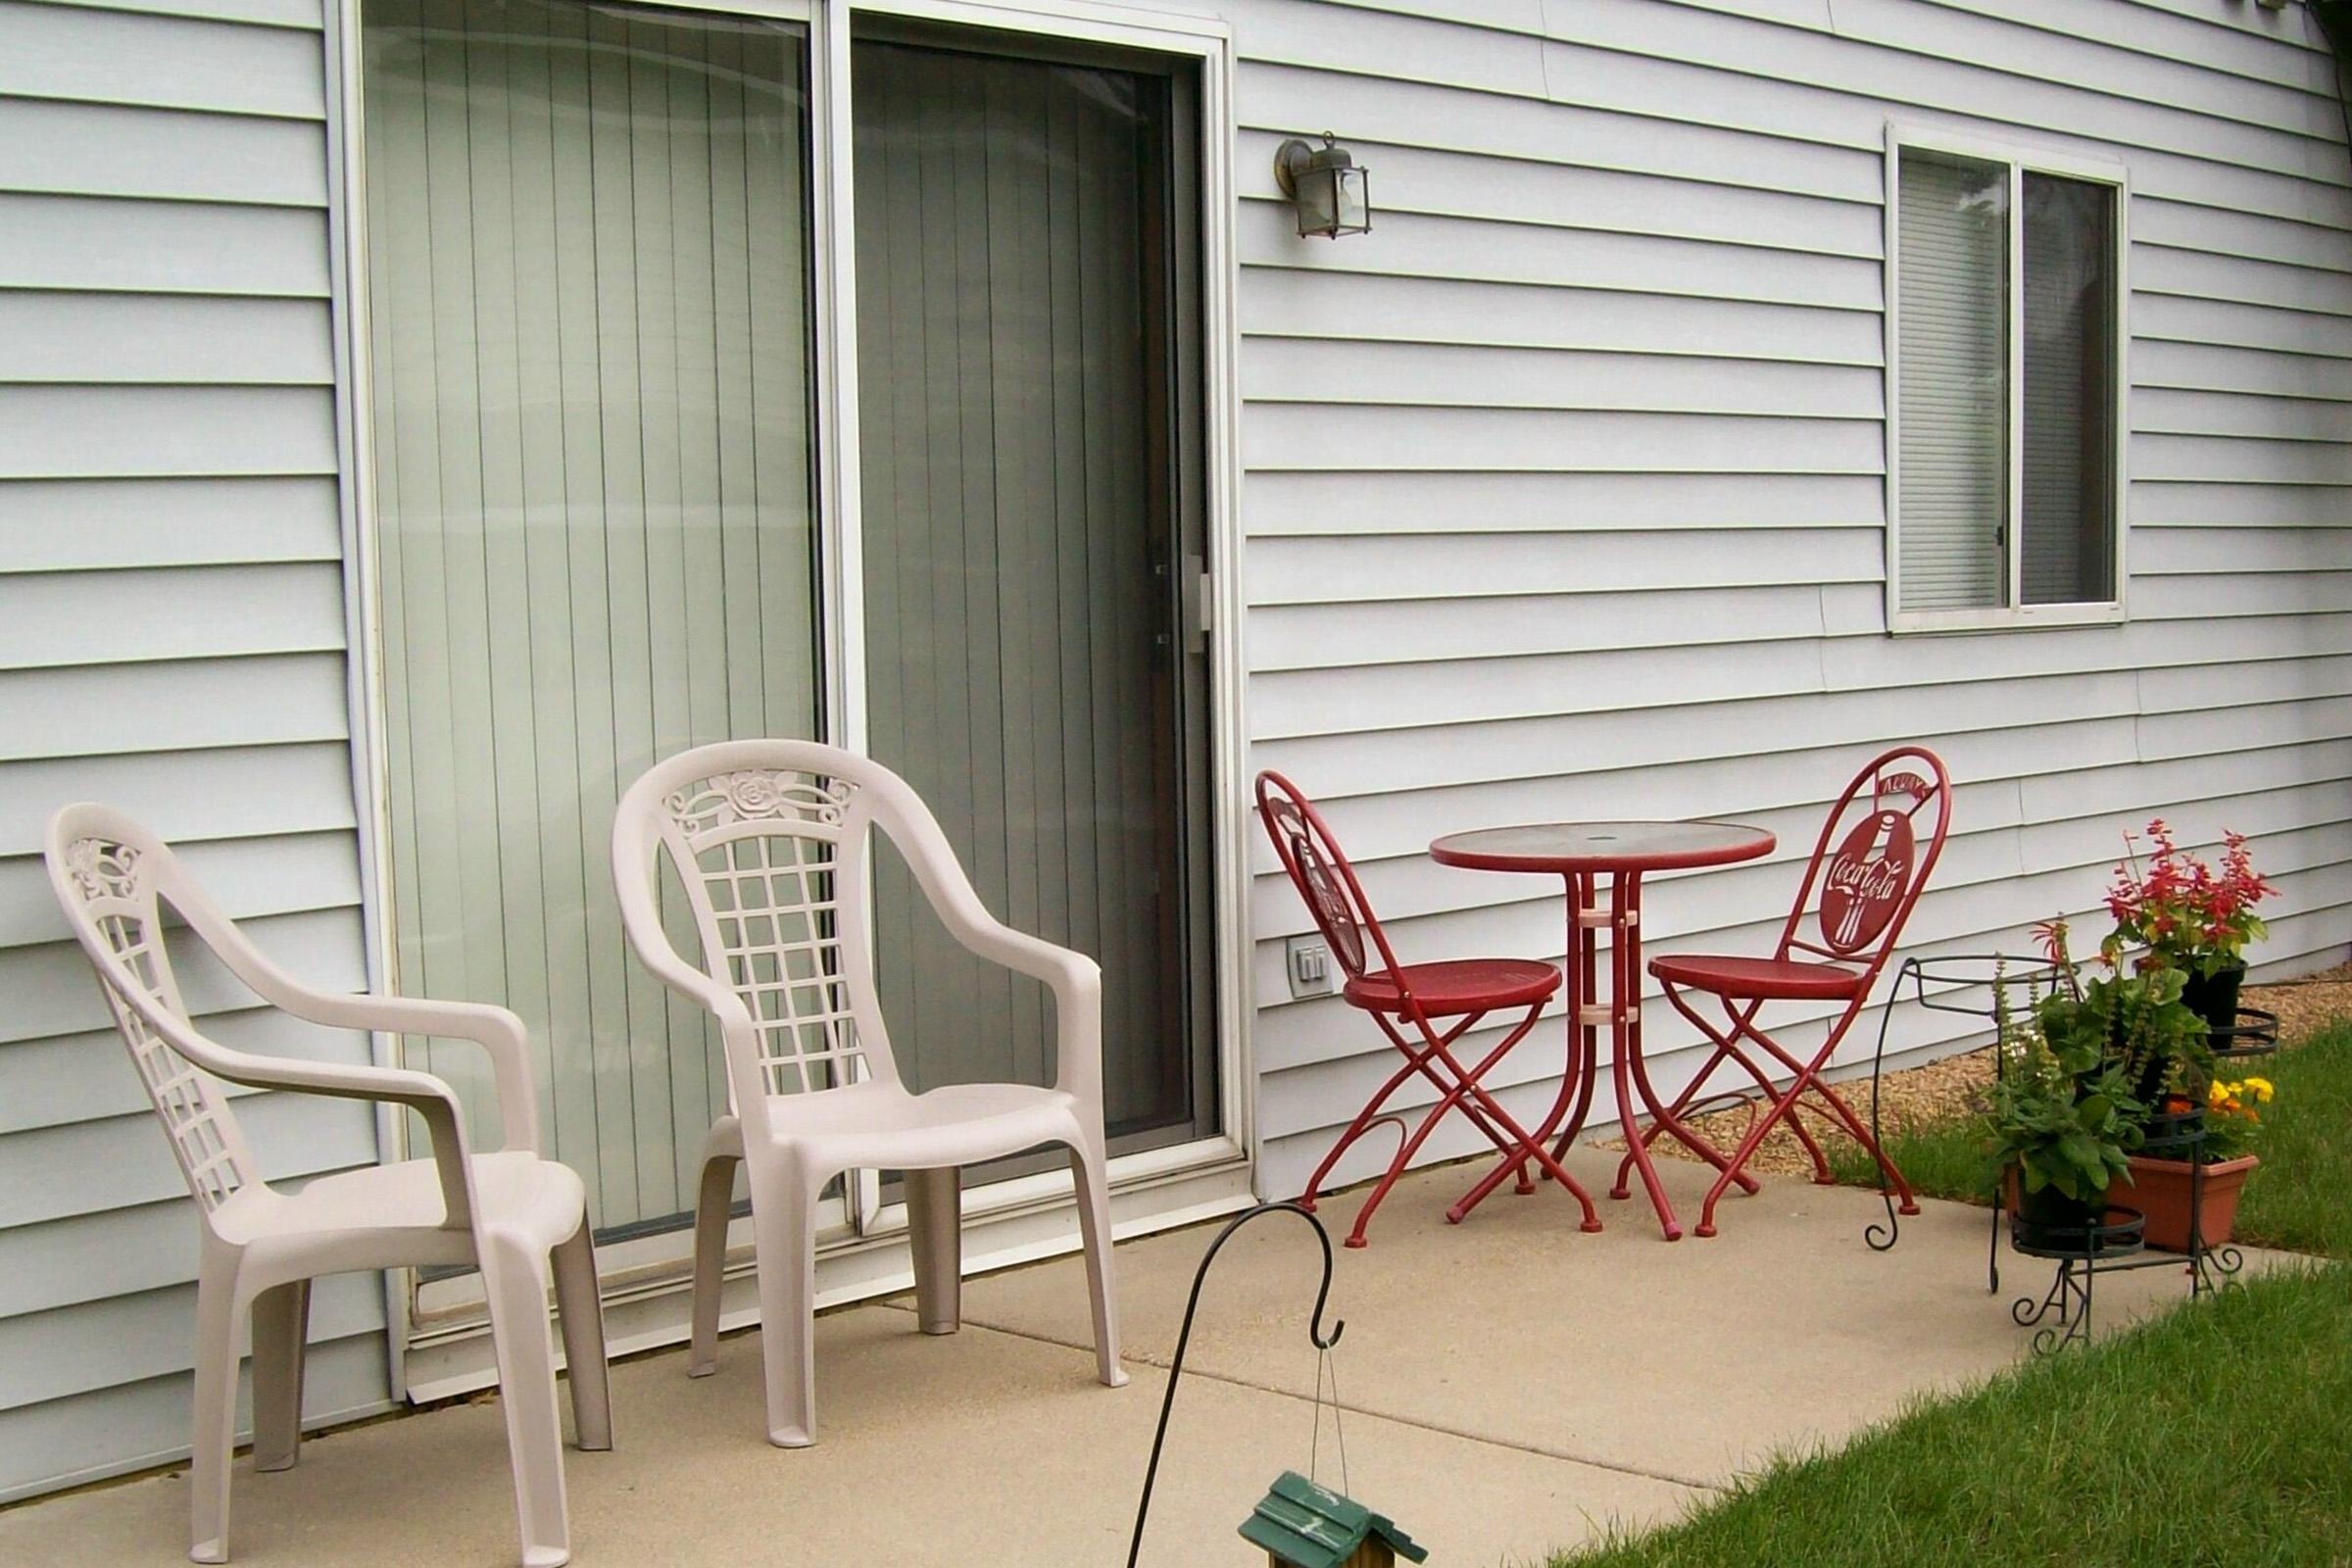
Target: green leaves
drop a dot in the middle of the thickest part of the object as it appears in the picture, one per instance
(2062, 1116)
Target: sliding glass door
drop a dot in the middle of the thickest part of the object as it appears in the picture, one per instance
(590, 313)
(1020, 281)
(599, 397)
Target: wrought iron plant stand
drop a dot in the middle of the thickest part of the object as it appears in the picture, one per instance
(1968, 984)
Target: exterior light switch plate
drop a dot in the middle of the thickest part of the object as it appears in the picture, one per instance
(1308, 960)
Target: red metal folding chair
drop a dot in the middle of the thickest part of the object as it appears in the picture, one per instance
(1869, 866)
(1460, 991)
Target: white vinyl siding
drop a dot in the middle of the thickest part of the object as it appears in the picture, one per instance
(1565, 486)
(172, 641)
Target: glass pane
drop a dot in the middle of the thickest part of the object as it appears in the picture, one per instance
(1952, 339)
(1020, 555)
(2069, 533)
(589, 290)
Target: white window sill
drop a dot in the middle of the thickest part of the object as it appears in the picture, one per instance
(2024, 617)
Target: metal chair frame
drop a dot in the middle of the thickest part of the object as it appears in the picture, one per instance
(1327, 883)
(1875, 916)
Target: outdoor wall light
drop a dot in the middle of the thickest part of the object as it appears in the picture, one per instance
(1330, 190)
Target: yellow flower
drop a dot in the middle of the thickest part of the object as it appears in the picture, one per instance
(2261, 1088)
(2218, 1094)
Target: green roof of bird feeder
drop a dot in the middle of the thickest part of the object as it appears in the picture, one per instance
(1303, 1525)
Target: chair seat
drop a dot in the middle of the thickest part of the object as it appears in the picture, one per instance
(1760, 979)
(1457, 985)
(516, 1191)
(878, 1123)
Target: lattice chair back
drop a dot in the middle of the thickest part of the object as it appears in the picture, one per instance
(770, 838)
(112, 878)
(1326, 882)
(1872, 860)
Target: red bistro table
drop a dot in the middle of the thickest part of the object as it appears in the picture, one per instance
(1582, 853)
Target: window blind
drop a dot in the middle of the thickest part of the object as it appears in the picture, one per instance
(589, 286)
(1952, 349)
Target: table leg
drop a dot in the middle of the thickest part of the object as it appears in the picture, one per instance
(1631, 1073)
(1566, 1118)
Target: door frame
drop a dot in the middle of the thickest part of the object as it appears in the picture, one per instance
(1006, 1222)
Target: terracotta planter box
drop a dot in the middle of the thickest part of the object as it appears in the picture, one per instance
(2160, 1189)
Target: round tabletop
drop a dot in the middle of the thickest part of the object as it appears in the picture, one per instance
(1603, 845)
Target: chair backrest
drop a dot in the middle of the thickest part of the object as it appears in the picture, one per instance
(112, 878)
(1872, 860)
(770, 838)
(1318, 868)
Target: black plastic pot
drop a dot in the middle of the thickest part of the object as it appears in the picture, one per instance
(2213, 997)
(2053, 1210)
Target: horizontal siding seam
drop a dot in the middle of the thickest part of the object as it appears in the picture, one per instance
(1622, 230)
(1321, 335)
(1425, 275)
(258, 203)
(193, 12)
(166, 105)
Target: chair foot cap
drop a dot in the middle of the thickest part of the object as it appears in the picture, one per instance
(546, 1556)
(788, 1438)
(1909, 1206)
(1116, 1380)
(1621, 1193)
(209, 1551)
(1703, 1230)
(1356, 1242)
(1589, 1226)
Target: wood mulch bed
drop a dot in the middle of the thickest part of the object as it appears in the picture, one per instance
(1942, 1089)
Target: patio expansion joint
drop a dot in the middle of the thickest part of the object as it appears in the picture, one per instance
(1418, 1423)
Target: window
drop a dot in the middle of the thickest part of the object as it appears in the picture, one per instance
(2007, 353)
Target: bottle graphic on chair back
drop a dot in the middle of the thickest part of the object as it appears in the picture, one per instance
(1865, 880)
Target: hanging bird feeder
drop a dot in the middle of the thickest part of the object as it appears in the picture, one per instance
(1298, 1523)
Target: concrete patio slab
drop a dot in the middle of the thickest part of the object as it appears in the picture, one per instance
(1512, 1385)
(1689, 1360)
(984, 1448)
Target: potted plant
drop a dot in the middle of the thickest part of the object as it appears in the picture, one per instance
(2168, 1187)
(2063, 1119)
(2142, 1025)
(2188, 916)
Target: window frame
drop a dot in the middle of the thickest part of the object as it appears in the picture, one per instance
(2018, 161)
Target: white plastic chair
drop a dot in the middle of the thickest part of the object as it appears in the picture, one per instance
(770, 838)
(509, 1213)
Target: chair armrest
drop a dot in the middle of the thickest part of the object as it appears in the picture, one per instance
(1076, 982)
(1075, 979)
(498, 1031)
(423, 1092)
(721, 1001)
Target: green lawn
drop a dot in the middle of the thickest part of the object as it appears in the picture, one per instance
(2215, 1437)
(2209, 1436)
